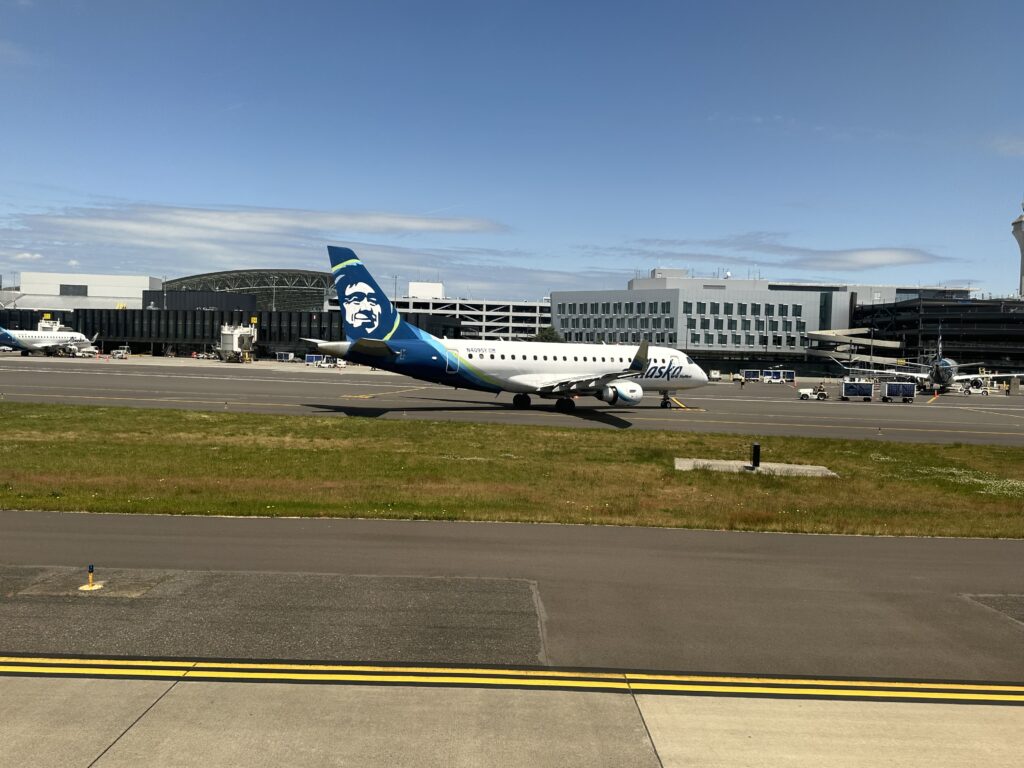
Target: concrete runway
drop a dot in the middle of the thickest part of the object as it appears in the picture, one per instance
(756, 409)
(112, 723)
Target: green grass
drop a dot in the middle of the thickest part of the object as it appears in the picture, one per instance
(184, 462)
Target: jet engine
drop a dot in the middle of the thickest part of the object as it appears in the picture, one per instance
(625, 392)
(977, 384)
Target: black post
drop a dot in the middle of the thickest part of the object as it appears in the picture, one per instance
(755, 455)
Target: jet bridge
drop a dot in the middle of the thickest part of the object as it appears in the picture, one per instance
(237, 343)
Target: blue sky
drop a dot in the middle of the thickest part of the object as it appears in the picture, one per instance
(514, 148)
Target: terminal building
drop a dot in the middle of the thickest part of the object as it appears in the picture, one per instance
(72, 290)
(489, 319)
(720, 318)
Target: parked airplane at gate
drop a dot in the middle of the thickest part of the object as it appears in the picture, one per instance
(941, 373)
(375, 334)
(60, 341)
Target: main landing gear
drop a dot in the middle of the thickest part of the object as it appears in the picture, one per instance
(565, 405)
(522, 400)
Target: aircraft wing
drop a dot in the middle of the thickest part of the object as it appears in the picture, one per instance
(885, 372)
(972, 376)
(53, 344)
(546, 384)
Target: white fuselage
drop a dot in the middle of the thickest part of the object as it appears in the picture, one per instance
(522, 366)
(40, 341)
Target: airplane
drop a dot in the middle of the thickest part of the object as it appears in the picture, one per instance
(49, 342)
(940, 374)
(376, 335)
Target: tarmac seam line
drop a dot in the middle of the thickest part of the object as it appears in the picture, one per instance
(133, 724)
(650, 738)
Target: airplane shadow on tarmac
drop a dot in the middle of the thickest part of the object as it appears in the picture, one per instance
(370, 412)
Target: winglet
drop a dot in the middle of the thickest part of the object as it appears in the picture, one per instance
(639, 362)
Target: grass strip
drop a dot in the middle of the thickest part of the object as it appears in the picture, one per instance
(185, 462)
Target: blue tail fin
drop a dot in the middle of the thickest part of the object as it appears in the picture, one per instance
(366, 311)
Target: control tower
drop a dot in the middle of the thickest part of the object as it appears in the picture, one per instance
(1018, 233)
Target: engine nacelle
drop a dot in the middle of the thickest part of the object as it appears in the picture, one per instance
(625, 392)
(977, 384)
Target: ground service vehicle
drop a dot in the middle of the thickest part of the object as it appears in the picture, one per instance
(857, 389)
(809, 392)
(899, 390)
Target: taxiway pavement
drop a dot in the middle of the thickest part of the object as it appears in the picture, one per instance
(282, 388)
(569, 596)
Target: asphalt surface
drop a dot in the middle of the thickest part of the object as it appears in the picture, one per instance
(566, 596)
(757, 409)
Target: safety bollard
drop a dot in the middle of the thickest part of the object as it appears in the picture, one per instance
(91, 586)
(755, 455)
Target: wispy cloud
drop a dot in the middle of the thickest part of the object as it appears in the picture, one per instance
(164, 239)
(770, 249)
(15, 56)
(789, 125)
(174, 241)
(1009, 146)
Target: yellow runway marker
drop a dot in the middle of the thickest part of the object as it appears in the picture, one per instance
(506, 677)
(384, 394)
(684, 406)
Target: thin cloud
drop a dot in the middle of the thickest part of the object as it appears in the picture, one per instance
(1008, 146)
(161, 239)
(485, 273)
(771, 249)
(174, 241)
(27, 256)
(14, 56)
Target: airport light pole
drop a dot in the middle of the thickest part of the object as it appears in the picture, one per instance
(273, 293)
(394, 290)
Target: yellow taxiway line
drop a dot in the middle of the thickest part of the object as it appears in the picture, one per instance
(510, 677)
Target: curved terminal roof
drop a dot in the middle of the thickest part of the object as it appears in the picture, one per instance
(280, 289)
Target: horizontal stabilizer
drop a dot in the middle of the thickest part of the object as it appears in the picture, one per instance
(373, 348)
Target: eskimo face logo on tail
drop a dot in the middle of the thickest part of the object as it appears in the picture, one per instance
(361, 305)
(366, 312)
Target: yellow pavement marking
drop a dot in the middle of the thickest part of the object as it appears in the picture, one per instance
(633, 682)
(947, 695)
(684, 406)
(451, 679)
(385, 394)
(409, 670)
(79, 660)
(640, 677)
(94, 671)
